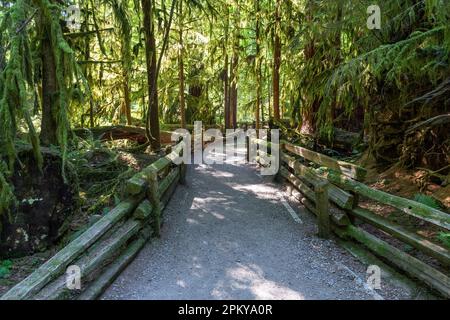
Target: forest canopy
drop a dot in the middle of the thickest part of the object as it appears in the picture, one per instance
(313, 66)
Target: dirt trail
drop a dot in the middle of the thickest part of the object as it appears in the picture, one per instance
(231, 234)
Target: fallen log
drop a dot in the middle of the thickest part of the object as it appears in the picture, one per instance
(111, 133)
(414, 267)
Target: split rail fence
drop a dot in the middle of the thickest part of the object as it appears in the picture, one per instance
(331, 189)
(109, 245)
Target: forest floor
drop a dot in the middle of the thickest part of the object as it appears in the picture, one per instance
(233, 234)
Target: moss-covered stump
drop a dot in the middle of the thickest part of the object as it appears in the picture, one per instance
(44, 207)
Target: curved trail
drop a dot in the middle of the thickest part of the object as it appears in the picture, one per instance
(231, 234)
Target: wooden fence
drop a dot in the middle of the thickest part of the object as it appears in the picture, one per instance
(331, 190)
(106, 248)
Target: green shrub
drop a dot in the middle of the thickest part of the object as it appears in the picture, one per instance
(427, 200)
(5, 268)
(444, 237)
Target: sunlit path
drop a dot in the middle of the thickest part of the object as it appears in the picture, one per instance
(226, 236)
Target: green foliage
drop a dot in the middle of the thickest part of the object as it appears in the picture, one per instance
(427, 200)
(444, 237)
(5, 268)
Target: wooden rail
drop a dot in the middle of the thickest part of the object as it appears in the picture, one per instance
(110, 244)
(343, 188)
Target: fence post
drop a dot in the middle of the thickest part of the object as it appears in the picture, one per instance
(322, 206)
(247, 142)
(155, 201)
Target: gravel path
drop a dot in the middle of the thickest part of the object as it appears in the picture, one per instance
(231, 234)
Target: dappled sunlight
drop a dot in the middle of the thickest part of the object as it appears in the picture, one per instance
(252, 278)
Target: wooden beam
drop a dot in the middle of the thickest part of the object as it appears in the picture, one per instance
(340, 197)
(416, 268)
(397, 231)
(92, 260)
(349, 169)
(102, 283)
(60, 261)
(407, 206)
(339, 217)
(323, 214)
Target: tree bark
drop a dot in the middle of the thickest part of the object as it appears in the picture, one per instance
(50, 96)
(152, 123)
(308, 112)
(226, 77)
(126, 98)
(181, 69)
(277, 62)
(258, 68)
(235, 70)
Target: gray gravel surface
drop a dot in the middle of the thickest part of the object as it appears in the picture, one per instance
(229, 235)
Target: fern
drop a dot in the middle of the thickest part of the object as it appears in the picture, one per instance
(427, 200)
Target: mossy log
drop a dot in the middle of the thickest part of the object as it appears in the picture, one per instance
(113, 133)
(59, 262)
(338, 196)
(349, 169)
(165, 184)
(170, 190)
(413, 239)
(407, 206)
(136, 185)
(322, 208)
(92, 260)
(98, 286)
(139, 182)
(414, 267)
(307, 198)
(143, 211)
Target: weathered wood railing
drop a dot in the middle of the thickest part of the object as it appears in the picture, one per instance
(306, 183)
(106, 248)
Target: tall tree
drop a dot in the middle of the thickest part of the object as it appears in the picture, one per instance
(276, 61)
(152, 122)
(181, 67)
(226, 76)
(50, 90)
(235, 67)
(258, 64)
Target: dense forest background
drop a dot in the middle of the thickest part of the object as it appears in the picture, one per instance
(311, 67)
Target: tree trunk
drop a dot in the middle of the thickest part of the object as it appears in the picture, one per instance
(226, 77)
(308, 112)
(181, 69)
(258, 68)
(235, 70)
(152, 123)
(126, 98)
(50, 96)
(276, 62)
